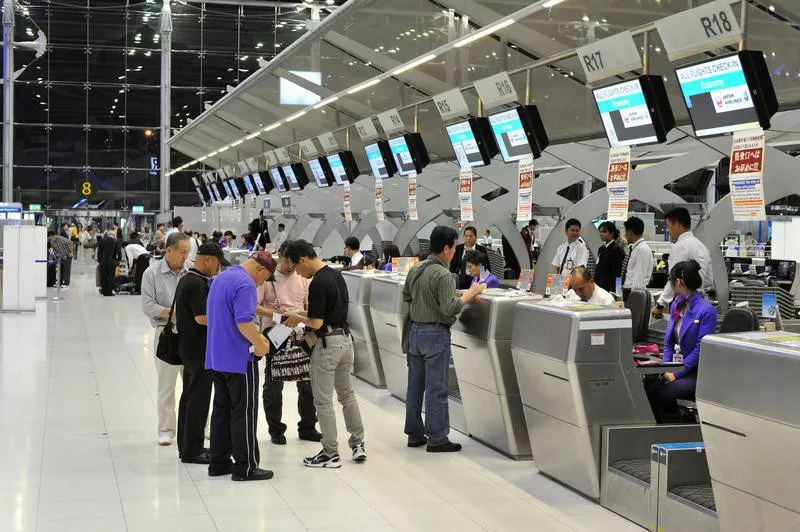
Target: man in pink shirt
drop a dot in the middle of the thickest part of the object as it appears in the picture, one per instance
(288, 293)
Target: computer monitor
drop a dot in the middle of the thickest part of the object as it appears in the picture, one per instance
(380, 159)
(519, 132)
(277, 178)
(472, 142)
(409, 153)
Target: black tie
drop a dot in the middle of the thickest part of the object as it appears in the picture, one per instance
(564, 260)
(625, 263)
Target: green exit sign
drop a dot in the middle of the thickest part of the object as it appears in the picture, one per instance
(137, 208)
(35, 207)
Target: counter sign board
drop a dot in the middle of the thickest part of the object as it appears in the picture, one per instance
(618, 183)
(746, 176)
(465, 194)
(609, 57)
(703, 28)
(525, 189)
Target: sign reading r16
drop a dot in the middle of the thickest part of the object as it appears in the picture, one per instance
(593, 61)
(504, 87)
(443, 107)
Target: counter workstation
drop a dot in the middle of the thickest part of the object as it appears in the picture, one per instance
(367, 363)
(579, 387)
(748, 397)
(481, 345)
(388, 314)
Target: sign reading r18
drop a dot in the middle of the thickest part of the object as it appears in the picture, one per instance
(443, 106)
(716, 25)
(593, 61)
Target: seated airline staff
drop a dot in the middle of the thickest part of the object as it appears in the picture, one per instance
(691, 318)
(477, 268)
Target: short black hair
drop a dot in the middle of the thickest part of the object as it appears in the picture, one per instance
(229, 232)
(534, 222)
(298, 249)
(476, 257)
(175, 238)
(687, 271)
(160, 225)
(635, 225)
(369, 260)
(51, 233)
(282, 249)
(352, 242)
(611, 227)
(748, 234)
(571, 222)
(471, 229)
(177, 221)
(442, 236)
(249, 238)
(281, 227)
(679, 215)
(583, 273)
(216, 234)
(134, 236)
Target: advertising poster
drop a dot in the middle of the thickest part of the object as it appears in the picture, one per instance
(286, 205)
(465, 194)
(348, 214)
(379, 199)
(267, 206)
(412, 197)
(746, 177)
(525, 189)
(618, 183)
(203, 216)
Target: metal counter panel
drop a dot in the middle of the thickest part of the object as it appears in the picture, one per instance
(387, 295)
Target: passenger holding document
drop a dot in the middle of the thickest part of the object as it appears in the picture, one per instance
(686, 247)
(691, 318)
(573, 252)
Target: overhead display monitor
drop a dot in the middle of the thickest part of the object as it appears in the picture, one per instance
(259, 183)
(228, 193)
(635, 112)
(295, 175)
(235, 189)
(729, 93)
(519, 132)
(248, 184)
(321, 171)
(203, 199)
(409, 153)
(472, 141)
(215, 190)
(380, 159)
(343, 167)
(277, 178)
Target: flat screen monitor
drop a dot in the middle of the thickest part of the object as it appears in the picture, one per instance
(277, 179)
(228, 193)
(380, 159)
(343, 167)
(321, 171)
(259, 183)
(409, 153)
(248, 184)
(235, 189)
(295, 176)
(216, 191)
(472, 141)
(635, 112)
(728, 94)
(519, 132)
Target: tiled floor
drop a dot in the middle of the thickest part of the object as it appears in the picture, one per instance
(78, 451)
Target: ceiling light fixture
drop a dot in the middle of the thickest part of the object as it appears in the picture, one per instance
(484, 32)
(296, 116)
(551, 3)
(213, 153)
(413, 64)
(236, 143)
(251, 136)
(364, 85)
(271, 127)
(326, 101)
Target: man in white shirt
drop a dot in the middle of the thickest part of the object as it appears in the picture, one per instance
(280, 238)
(573, 252)
(584, 287)
(686, 247)
(193, 247)
(637, 266)
(487, 239)
(177, 225)
(351, 249)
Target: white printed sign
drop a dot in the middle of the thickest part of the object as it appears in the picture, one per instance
(348, 213)
(328, 142)
(525, 189)
(618, 183)
(271, 159)
(465, 194)
(609, 57)
(698, 30)
(412, 197)
(308, 147)
(451, 104)
(379, 198)
(391, 122)
(203, 215)
(366, 129)
(746, 176)
(283, 155)
(496, 90)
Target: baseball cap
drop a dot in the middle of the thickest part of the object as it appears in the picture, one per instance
(212, 249)
(264, 259)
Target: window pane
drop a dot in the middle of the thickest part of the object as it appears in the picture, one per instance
(144, 107)
(68, 147)
(67, 104)
(30, 146)
(67, 64)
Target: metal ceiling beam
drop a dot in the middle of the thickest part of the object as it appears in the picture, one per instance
(357, 108)
(253, 3)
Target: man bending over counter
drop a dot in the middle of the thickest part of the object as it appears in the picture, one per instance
(584, 286)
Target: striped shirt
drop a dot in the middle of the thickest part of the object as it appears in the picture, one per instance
(432, 294)
(61, 246)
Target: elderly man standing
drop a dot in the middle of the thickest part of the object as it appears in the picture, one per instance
(159, 283)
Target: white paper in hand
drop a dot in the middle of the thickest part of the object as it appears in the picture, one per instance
(278, 334)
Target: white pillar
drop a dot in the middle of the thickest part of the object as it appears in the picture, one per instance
(166, 83)
(8, 101)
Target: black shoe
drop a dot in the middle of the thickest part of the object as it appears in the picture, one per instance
(258, 474)
(417, 443)
(323, 460)
(279, 440)
(448, 447)
(311, 436)
(202, 458)
(220, 470)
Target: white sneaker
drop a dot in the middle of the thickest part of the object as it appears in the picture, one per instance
(164, 439)
(359, 454)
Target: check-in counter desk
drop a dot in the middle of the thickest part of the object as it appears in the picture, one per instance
(487, 382)
(367, 364)
(748, 398)
(576, 375)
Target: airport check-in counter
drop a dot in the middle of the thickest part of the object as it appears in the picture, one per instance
(487, 381)
(748, 397)
(576, 376)
(367, 364)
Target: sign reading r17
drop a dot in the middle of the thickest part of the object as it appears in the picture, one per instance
(593, 61)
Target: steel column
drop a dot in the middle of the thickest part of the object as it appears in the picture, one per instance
(8, 100)
(166, 108)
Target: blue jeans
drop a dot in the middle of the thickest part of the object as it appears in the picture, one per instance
(428, 363)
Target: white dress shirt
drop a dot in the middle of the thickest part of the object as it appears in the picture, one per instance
(600, 297)
(356, 258)
(578, 255)
(280, 238)
(192, 251)
(640, 265)
(688, 247)
(133, 251)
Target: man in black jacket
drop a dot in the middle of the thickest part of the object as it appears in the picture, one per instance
(458, 265)
(109, 253)
(609, 258)
(260, 230)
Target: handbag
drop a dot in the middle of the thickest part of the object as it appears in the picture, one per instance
(167, 348)
(291, 362)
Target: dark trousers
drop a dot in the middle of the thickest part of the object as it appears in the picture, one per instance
(664, 396)
(141, 264)
(273, 406)
(234, 419)
(51, 274)
(107, 278)
(193, 410)
(428, 366)
(66, 270)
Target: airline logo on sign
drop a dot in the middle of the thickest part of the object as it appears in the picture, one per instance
(731, 100)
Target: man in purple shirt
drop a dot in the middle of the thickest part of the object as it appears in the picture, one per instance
(232, 334)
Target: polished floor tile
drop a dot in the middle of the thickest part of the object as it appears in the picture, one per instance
(78, 450)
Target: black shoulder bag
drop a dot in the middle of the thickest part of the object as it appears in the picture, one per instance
(167, 349)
